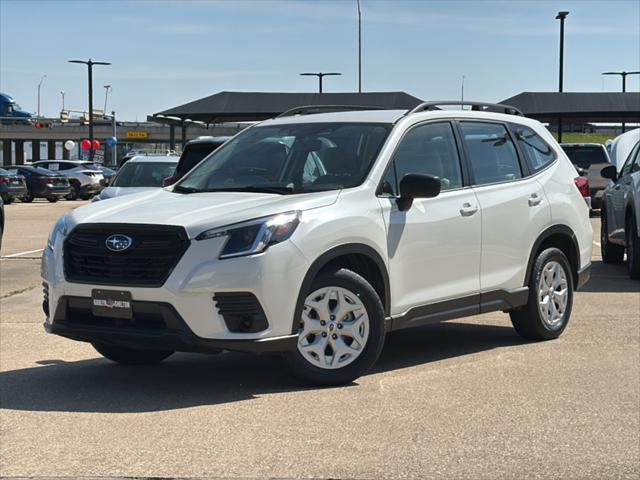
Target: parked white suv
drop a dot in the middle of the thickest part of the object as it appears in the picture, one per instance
(316, 235)
(83, 176)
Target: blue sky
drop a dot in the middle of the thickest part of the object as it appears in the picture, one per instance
(165, 53)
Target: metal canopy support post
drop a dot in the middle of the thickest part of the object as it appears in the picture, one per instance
(183, 127)
(172, 137)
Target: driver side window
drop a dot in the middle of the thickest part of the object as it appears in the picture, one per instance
(428, 149)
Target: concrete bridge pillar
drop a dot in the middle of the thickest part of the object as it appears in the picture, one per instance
(6, 152)
(19, 152)
(35, 150)
(51, 149)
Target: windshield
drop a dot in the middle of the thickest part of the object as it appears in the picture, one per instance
(584, 156)
(143, 174)
(295, 158)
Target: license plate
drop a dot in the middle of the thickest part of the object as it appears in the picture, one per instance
(111, 303)
(15, 182)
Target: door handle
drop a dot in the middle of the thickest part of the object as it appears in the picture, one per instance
(534, 200)
(467, 210)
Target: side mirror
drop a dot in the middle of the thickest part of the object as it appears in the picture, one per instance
(417, 185)
(610, 172)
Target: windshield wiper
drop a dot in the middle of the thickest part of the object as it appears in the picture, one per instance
(181, 189)
(281, 190)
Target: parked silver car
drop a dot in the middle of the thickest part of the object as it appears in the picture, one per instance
(620, 226)
(84, 179)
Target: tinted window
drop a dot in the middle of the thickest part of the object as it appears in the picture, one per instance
(586, 155)
(538, 153)
(277, 158)
(193, 155)
(629, 166)
(143, 174)
(429, 149)
(491, 152)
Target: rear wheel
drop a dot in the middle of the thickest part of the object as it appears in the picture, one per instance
(633, 248)
(28, 198)
(550, 298)
(130, 356)
(7, 200)
(611, 253)
(52, 199)
(341, 329)
(85, 196)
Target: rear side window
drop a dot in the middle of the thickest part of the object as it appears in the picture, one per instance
(492, 154)
(586, 155)
(537, 152)
(428, 149)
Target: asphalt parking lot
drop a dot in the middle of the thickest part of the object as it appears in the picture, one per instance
(463, 399)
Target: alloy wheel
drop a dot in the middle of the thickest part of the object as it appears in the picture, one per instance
(553, 295)
(334, 328)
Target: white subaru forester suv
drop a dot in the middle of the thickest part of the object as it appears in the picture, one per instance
(316, 234)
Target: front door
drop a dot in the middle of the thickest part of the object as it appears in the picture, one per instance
(434, 247)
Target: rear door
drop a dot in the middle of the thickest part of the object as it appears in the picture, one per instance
(513, 205)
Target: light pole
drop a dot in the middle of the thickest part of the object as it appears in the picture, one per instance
(359, 49)
(107, 89)
(561, 16)
(320, 76)
(624, 85)
(40, 85)
(62, 93)
(462, 94)
(90, 63)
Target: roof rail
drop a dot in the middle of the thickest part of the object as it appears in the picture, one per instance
(311, 109)
(475, 106)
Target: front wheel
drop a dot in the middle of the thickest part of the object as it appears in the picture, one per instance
(130, 356)
(27, 198)
(633, 249)
(341, 329)
(550, 298)
(52, 199)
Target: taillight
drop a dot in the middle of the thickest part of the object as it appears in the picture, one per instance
(4, 180)
(583, 185)
(45, 180)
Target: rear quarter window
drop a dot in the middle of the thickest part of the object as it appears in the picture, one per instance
(538, 153)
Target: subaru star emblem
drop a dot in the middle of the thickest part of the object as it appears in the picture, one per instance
(118, 243)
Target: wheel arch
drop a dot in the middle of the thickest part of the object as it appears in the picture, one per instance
(358, 257)
(561, 237)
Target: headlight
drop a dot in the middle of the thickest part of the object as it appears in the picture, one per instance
(59, 229)
(254, 236)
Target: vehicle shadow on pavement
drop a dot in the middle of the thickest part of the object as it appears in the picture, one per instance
(610, 278)
(187, 380)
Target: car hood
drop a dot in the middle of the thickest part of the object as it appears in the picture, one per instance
(196, 212)
(112, 192)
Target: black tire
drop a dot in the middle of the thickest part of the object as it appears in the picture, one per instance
(611, 253)
(73, 194)
(129, 356)
(27, 198)
(354, 283)
(633, 248)
(84, 196)
(52, 199)
(7, 200)
(527, 320)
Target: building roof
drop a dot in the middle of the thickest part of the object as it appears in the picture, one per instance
(583, 106)
(251, 106)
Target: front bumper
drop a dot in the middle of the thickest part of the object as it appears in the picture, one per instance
(196, 324)
(174, 334)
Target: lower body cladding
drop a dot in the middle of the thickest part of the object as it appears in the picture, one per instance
(241, 304)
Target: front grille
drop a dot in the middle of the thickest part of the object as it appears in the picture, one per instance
(154, 252)
(241, 311)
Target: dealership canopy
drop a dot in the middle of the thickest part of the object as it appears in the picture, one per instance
(252, 106)
(583, 107)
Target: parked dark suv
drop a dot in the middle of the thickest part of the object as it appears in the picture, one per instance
(591, 157)
(12, 186)
(194, 152)
(43, 183)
